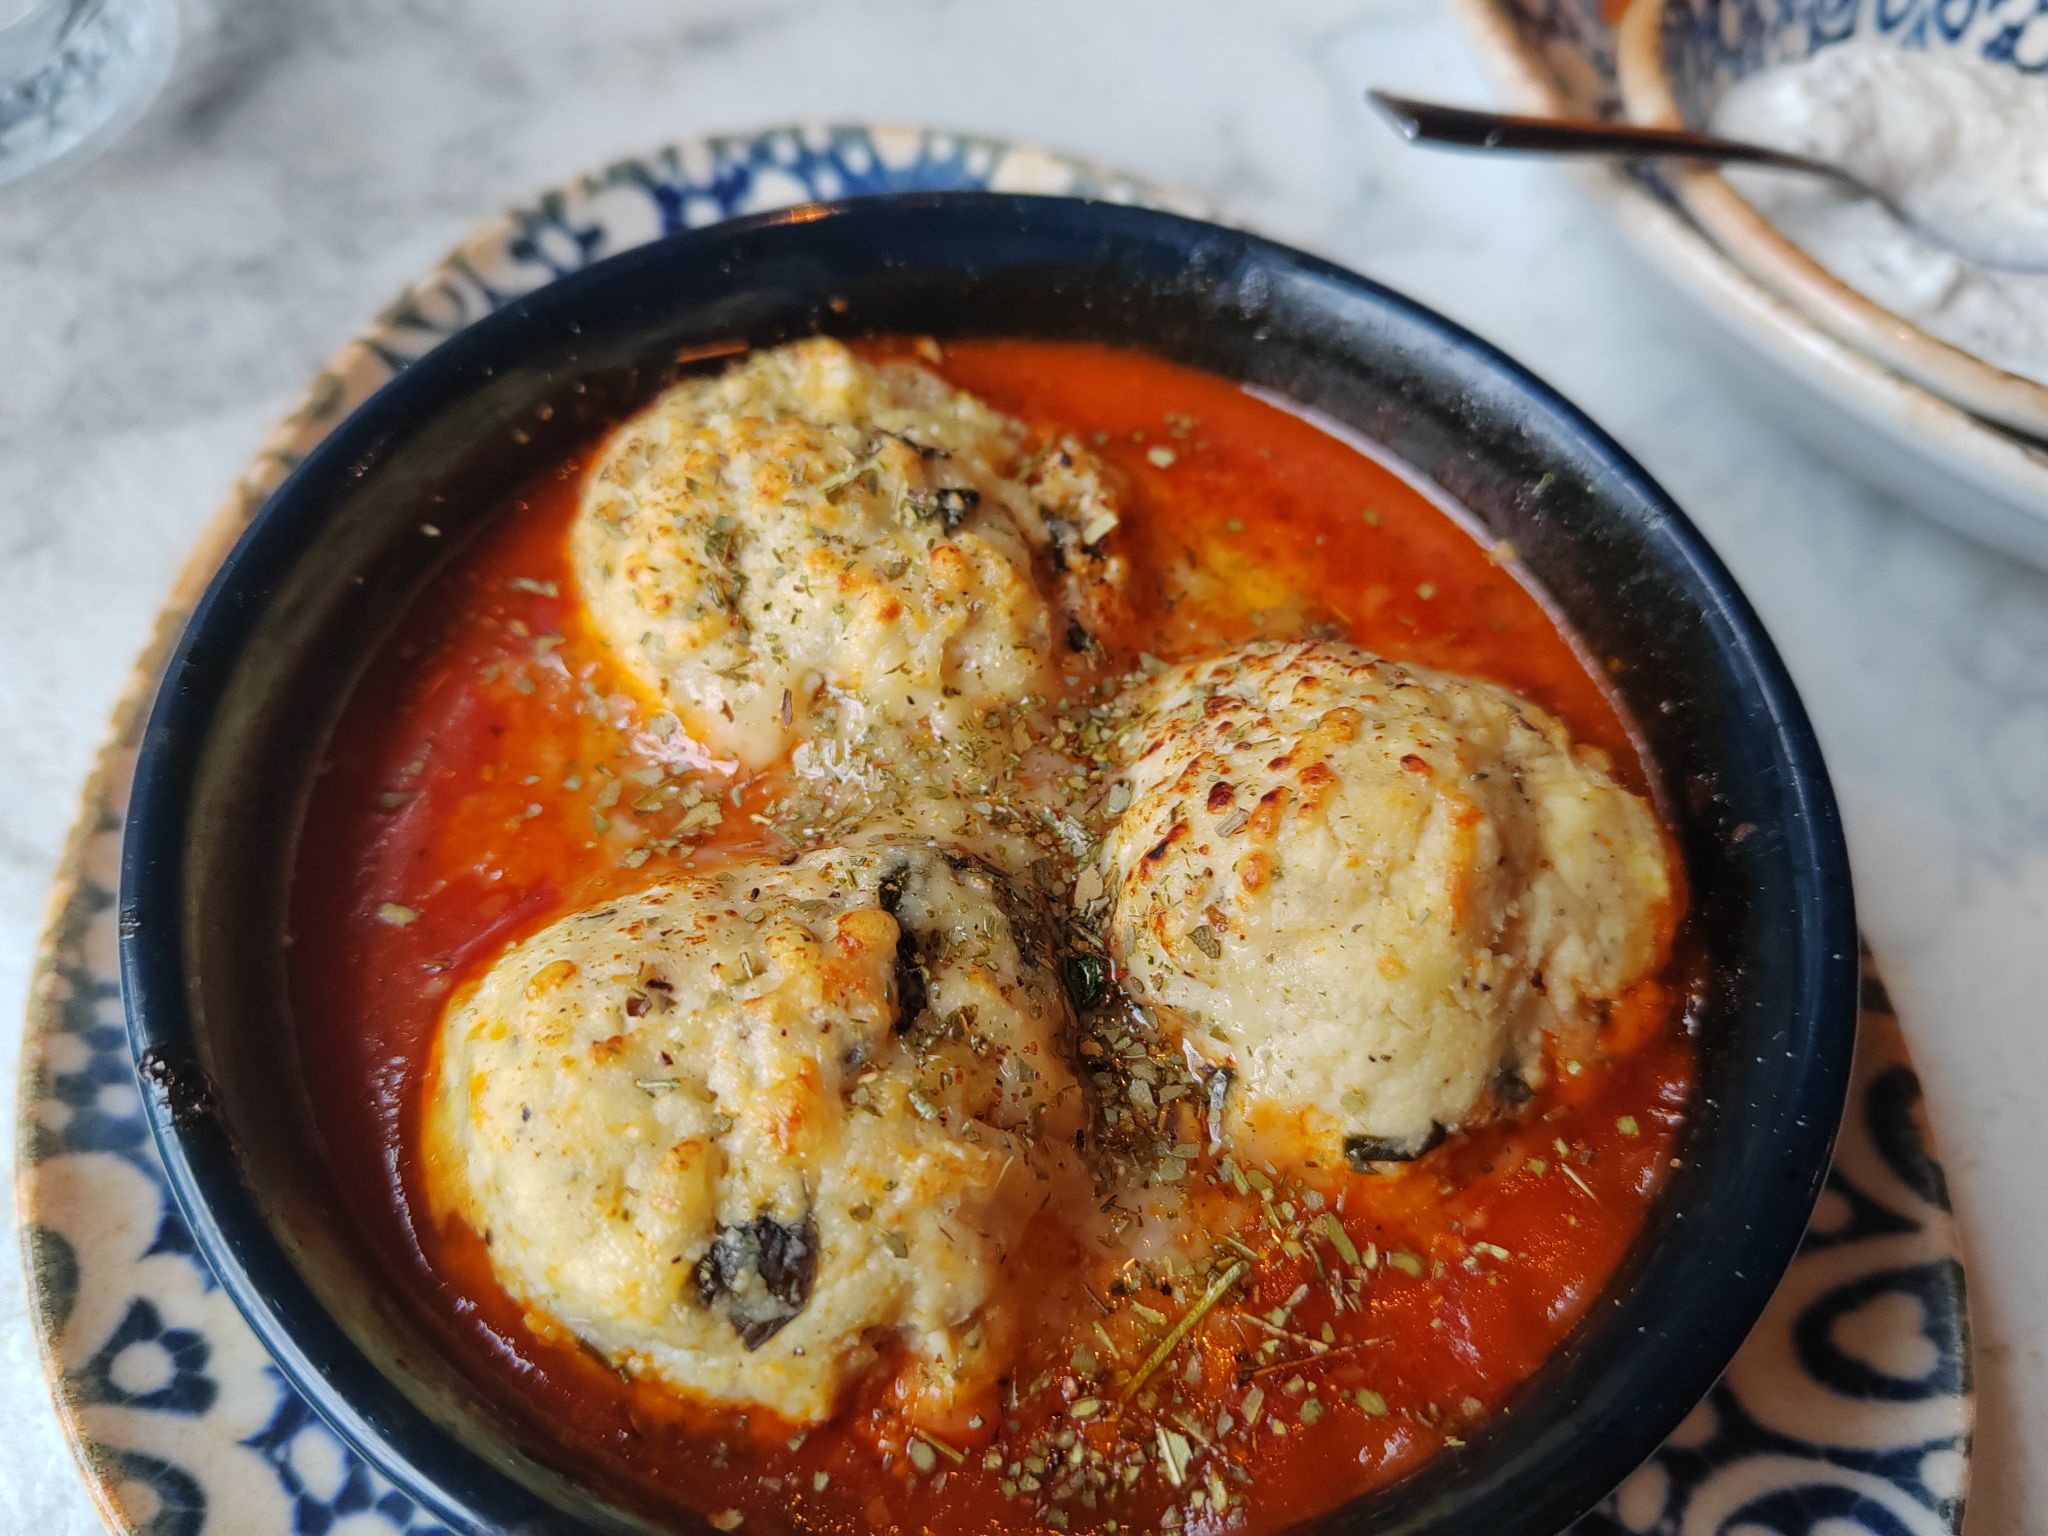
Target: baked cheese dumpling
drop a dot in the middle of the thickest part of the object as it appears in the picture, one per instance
(812, 546)
(740, 1131)
(1368, 888)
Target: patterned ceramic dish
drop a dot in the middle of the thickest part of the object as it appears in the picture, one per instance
(1559, 56)
(1850, 1402)
(1677, 58)
(236, 734)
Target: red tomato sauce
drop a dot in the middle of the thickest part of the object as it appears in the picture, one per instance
(483, 783)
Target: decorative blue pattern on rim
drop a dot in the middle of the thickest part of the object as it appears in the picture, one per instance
(1710, 44)
(1850, 1403)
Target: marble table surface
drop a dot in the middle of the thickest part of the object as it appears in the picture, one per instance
(160, 308)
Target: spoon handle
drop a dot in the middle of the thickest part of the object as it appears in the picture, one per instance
(1429, 122)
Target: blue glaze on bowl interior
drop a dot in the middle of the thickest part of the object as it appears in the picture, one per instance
(1711, 44)
(333, 556)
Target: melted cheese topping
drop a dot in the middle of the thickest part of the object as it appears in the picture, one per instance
(736, 1131)
(811, 549)
(1368, 888)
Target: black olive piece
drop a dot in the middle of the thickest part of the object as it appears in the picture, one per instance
(1363, 1151)
(1513, 1092)
(950, 504)
(1063, 538)
(783, 1259)
(913, 993)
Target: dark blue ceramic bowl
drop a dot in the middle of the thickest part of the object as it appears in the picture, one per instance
(319, 577)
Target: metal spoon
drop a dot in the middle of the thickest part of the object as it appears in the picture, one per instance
(1428, 122)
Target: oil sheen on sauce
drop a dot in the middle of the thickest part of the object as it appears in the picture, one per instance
(1374, 1321)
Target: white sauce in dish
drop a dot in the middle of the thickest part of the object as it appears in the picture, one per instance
(1961, 144)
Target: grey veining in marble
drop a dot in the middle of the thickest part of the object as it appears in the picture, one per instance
(160, 308)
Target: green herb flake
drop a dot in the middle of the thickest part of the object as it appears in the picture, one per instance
(1087, 979)
(1174, 1452)
(846, 476)
(1340, 1240)
(1218, 1288)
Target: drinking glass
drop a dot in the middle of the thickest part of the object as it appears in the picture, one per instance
(73, 74)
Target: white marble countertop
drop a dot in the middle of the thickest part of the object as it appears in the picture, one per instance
(159, 309)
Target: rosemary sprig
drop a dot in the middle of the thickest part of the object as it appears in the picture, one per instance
(1218, 1288)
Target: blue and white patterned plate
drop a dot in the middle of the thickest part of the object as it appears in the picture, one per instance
(1848, 1410)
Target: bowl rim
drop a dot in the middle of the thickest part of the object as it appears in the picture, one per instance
(367, 1408)
(2006, 476)
(1648, 97)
